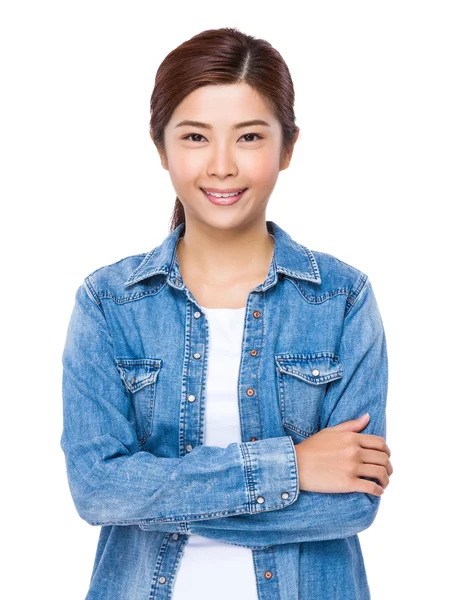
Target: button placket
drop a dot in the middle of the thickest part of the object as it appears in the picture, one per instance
(193, 377)
(170, 555)
(252, 338)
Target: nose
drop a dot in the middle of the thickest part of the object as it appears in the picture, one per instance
(221, 162)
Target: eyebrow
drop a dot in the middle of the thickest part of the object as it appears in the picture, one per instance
(236, 126)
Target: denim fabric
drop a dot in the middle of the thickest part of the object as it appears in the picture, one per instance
(134, 376)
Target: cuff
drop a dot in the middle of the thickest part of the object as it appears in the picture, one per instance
(271, 473)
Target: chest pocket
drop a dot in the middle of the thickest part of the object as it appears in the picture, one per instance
(302, 382)
(139, 377)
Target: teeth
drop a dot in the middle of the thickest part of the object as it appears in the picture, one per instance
(223, 195)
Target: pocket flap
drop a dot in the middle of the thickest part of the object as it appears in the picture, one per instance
(316, 368)
(138, 372)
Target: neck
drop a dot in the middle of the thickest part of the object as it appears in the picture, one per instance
(222, 255)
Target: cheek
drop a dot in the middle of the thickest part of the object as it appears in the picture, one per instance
(264, 172)
(183, 167)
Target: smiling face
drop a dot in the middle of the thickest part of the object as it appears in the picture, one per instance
(223, 138)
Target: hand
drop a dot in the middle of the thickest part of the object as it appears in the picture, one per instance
(334, 460)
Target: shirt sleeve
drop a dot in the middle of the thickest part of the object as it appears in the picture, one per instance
(113, 482)
(363, 388)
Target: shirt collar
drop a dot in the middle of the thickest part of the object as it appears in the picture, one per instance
(289, 258)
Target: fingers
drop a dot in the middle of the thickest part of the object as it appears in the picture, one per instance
(375, 457)
(375, 442)
(368, 487)
(374, 472)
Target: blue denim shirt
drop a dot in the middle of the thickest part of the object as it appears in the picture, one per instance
(134, 379)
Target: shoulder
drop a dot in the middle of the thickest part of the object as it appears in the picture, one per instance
(337, 277)
(334, 270)
(108, 280)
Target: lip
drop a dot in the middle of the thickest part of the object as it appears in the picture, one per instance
(226, 191)
(224, 201)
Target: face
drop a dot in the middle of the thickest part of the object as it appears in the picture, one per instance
(223, 138)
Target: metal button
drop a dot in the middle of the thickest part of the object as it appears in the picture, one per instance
(133, 381)
(285, 495)
(175, 536)
(196, 355)
(256, 314)
(315, 372)
(162, 579)
(250, 392)
(253, 352)
(260, 500)
(268, 575)
(189, 447)
(191, 398)
(254, 439)
(197, 314)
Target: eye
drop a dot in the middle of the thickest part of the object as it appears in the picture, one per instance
(186, 137)
(253, 134)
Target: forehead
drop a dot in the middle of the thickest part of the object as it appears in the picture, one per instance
(223, 104)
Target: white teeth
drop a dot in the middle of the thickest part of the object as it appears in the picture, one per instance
(223, 195)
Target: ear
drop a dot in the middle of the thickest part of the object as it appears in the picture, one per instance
(161, 153)
(286, 158)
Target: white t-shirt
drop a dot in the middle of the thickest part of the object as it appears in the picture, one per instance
(211, 569)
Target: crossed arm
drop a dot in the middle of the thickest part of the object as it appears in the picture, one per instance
(113, 482)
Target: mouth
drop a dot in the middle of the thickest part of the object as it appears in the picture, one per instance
(224, 200)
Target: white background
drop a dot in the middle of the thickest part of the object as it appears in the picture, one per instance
(371, 181)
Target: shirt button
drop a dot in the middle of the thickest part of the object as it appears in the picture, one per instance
(253, 352)
(260, 500)
(250, 392)
(285, 495)
(197, 314)
(253, 439)
(189, 447)
(268, 575)
(162, 579)
(256, 314)
(315, 372)
(175, 536)
(196, 355)
(191, 398)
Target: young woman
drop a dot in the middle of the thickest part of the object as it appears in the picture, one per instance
(216, 388)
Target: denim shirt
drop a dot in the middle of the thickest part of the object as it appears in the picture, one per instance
(313, 355)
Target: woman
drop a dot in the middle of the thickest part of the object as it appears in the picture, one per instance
(215, 387)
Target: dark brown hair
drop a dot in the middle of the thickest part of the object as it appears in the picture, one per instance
(219, 57)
